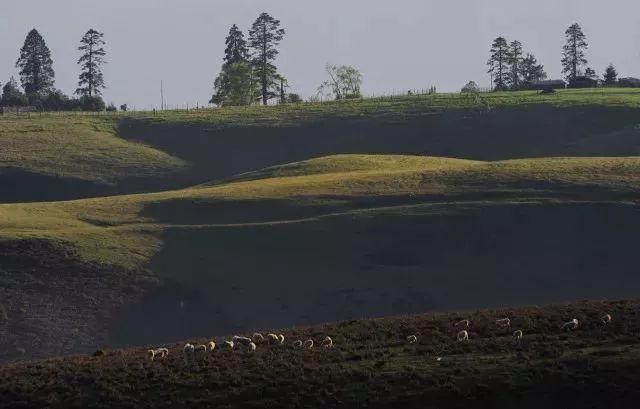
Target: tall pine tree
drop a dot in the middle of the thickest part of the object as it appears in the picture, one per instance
(515, 64)
(574, 56)
(236, 50)
(36, 66)
(264, 38)
(499, 63)
(91, 81)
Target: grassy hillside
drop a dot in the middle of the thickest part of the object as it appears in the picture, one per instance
(330, 238)
(57, 158)
(67, 156)
(371, 366)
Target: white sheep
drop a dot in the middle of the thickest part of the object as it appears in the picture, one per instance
(412, 339)
(463, 323)
(228, 344)
(251, 347)
(153, 352)
(211, 346)
(463, 336)
(327, 342)
(518, 335)
(241, 340)
(200, 348)
(308, 344)
(571, 325)
(297, 344)
(188, 352)
(258, 338)
(503, 322)
(606, 319)
(273, 338)
(281, 339)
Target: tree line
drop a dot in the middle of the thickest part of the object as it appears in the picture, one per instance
(511, 69)
(37, 76)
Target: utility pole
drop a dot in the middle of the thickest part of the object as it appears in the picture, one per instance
(161, 95)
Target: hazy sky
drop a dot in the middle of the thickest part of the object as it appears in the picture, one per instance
(397, 45)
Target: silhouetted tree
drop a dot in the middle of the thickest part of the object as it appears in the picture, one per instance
(531, 70)
(515, 64)
(91, 81)
(264, 38)
(36, 66)
(236, 47)
(590, 73)
(469, 87)
(610, 75)
(235, 86)
(499, 63)
(344, 82)
(11, 94)
(574, 55)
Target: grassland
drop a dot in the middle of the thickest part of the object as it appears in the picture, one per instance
(371, 366)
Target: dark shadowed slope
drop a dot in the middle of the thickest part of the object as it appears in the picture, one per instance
(371, 365)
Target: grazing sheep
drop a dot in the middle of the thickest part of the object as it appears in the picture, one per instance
(571, 325)
(503, 322)
(161, 352)
(463, 323)
(606, 319)
(327, 342)
(258, 338)
(308, 344)
(273, 338)
(297, 344)
(241, 340)
(200, 348)
(211, 346)
(281, 339)
(251, 347)
(518, 335)
(164, 352)
(463, 336)
(412, 339)
(228, 344)
(188, 352)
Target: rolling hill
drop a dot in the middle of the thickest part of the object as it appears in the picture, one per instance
(371, 365)
(326, 239)
(69, 156)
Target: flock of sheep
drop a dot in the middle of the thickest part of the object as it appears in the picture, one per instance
(251, 344)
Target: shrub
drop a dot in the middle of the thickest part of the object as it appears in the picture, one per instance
(94, 103)
(124, 107)
(112, 108)
(470, 87)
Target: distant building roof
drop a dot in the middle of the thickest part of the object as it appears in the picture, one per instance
(630, 79)
(548, 83)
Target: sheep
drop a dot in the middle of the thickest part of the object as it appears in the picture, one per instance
(273, 338)
(518, 335)
(463, 336)
(200, 348)
(327, 342)
(188, 352)
(251, 347)
(258, 338)
(503, 322)
(297, 344)
(211, 346)
(463, 323)
(606, 319)
(163, 352)
(412, 339)
(571, 325)
(228, 344)
(281, 339)
(241, 340)
(308, 344)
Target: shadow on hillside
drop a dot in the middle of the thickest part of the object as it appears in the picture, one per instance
(415, 260)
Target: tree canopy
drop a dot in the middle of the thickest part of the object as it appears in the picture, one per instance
(573, 52)
(264, 37)
(36, 66)
(91, 81)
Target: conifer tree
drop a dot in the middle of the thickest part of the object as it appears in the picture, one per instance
(574, 56)
(264, 37)
(499, 63)
(36, 66)
(91, 81)
(531, 71)
(236, 50)
(610, 75)
(515, 64)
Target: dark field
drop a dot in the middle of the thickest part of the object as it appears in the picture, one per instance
(370, 366)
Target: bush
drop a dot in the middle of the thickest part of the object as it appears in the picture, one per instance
(294, 99)
(94, 103)
(112, 108)
(124, 107)
(470, 87)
